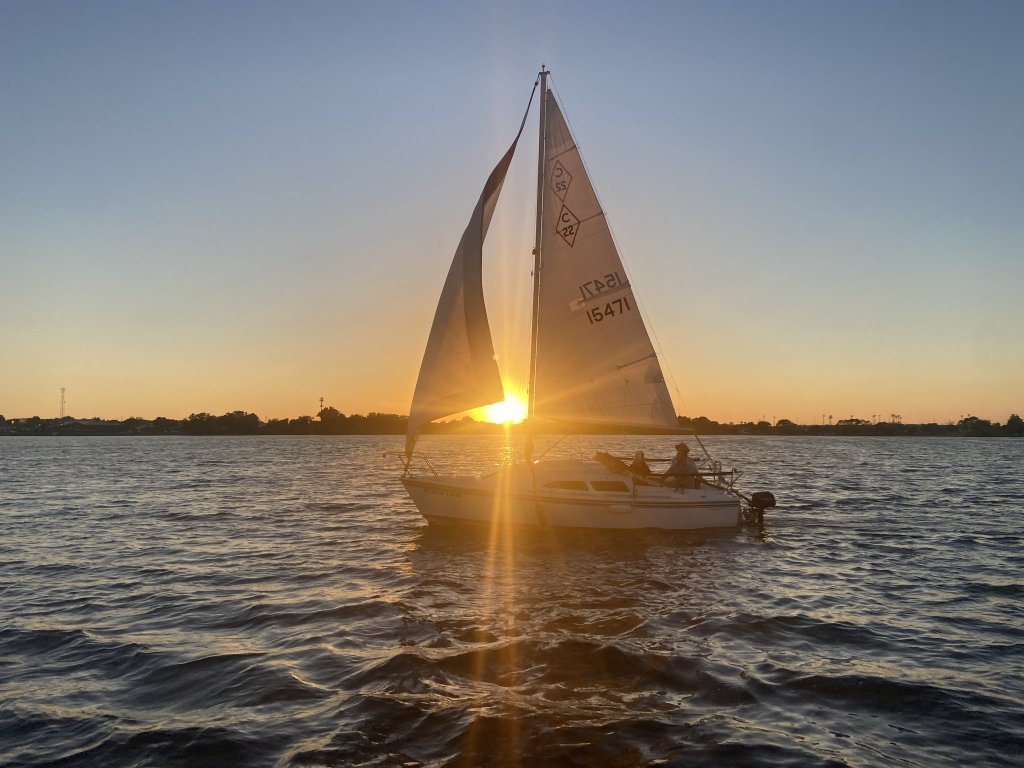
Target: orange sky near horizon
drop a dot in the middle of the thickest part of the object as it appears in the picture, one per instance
(818, 205)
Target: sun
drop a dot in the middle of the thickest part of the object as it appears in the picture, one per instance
(511, 410)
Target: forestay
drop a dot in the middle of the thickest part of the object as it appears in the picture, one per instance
(595, 360)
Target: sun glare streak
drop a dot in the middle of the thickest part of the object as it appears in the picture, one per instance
(499, 589)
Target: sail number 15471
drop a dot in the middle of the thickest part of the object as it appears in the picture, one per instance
(600, 285)
(611, 309)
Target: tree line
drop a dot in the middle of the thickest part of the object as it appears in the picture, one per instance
(331, 421)
(969, 426)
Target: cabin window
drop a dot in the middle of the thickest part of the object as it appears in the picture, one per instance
(567, 485)
(616, 486)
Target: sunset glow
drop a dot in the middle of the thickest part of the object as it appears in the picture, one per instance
(250, 235)
(512, 410)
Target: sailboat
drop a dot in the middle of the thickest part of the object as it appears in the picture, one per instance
(592, 365)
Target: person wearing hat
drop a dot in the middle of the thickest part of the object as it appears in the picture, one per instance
(683, 471)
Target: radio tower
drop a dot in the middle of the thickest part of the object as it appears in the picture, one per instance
(62, 403)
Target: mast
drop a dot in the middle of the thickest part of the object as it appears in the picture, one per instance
(541, 165)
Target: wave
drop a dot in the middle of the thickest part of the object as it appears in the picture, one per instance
(259, 603)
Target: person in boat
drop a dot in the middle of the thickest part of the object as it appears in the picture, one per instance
(683, 471)
(639, 465)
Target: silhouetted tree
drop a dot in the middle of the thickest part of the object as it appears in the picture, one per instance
(304, 425)
(333, 421)
(1014, 425)
(164, 426)
(276, 427)
(239, 423)
(199, 424)
(975, 427)
(787, 427)
(702, 425)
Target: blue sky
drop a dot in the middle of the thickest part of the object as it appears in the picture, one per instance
(213, 206)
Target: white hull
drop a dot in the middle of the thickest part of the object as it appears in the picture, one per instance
(568, 494)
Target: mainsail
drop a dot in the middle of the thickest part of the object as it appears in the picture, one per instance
(595, 362)
(458, 370)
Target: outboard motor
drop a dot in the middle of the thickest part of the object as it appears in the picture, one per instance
(759, 502)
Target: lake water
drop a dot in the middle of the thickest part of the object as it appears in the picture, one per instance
(278, 601)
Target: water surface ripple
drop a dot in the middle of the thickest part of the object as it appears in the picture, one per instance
(278, 601)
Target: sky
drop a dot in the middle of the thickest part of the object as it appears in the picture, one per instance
(209, 207)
